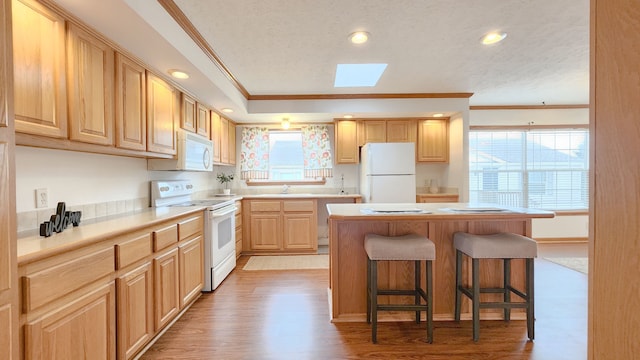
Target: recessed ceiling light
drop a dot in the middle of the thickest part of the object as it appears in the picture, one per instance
(178, 74)
(359, 37)
(493, 38)
(227, 110)
(348, 116)
(438, 115)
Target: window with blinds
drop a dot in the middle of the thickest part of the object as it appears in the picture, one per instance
(540, 169)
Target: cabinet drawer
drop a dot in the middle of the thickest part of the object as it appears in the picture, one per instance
(238, 207)
(165, 237)
(132, 250)
(49, 284)
(238, 220)
(190, 227)
(264, 206)
(299, 205)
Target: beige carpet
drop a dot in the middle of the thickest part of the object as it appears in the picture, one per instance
(578, 264)
(287, 262)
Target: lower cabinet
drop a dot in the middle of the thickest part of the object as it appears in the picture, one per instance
(135, 310)
(191, 254)
(280, 225)
(82, 329)
(166, 287)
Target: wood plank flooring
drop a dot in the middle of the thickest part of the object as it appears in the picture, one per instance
(285, 315)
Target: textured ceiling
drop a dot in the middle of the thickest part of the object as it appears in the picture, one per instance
(292, 47)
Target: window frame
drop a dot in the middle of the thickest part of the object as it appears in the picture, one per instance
(526, 170)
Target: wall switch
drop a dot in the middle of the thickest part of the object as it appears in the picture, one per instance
(42, 198)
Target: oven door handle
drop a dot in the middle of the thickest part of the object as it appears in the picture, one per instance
(222, 212)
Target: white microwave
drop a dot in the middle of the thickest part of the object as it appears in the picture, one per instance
(194, 153)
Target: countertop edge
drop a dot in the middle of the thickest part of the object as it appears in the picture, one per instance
(31, 256)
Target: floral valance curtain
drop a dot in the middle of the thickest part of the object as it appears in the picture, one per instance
(316, 151)
(254, 153)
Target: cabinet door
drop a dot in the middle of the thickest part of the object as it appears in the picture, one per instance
(135, 310)
(238, 229)
(161, 110)
(188, 116)
(346, 134)
(401, 131)
(131, 112)
(166, 288)
(203, 123)
(433, 140)
(216, 136)
(300, 232)
(90, 81)
(224, 140)
(40, 94)
(82, 329)
(232, 143)
(266, 231)
(191, 270)
(372, 131)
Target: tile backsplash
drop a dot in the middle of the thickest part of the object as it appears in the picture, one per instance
(30, 220)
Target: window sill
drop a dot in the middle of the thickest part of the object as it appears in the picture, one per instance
(293, 182)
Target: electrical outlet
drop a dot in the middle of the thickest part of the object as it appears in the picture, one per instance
(42, 198)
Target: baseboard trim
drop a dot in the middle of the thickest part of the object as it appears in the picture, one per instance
(563, 240)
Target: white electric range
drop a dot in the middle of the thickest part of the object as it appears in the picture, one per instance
(219, 227)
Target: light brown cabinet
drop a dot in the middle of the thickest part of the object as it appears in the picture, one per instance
(161, 115)
(433, 141)
(280, 225)
(82, 329)
(203, 121)
(232, 143)
(135, 310)
(401, 130)
(224, 140)
(90, 87)
(40, 89)
(131, 110)
(166, 287)
(346, 142)
(188, 117)
(372, 131)
(393, 130)
(216, 128)
(191, 255)
(238, 218)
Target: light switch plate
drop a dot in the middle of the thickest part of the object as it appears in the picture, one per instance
(42, 198)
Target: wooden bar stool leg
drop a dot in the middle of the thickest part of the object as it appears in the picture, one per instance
(458, 283)
(475, 274)
(429, 280)
(374, 301)
(530, 309)
(506, 286)
(368, 291)
(416, 286)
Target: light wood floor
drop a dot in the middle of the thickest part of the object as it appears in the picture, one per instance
(284, 315)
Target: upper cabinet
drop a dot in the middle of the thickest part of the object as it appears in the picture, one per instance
(131, 114)
(433, 140)
(39, 70)
(346, 139)
(223, 134)
(216, 123)
(162, 102)
(430, 135)
(188, 116)
(91, 92)
(203, 121)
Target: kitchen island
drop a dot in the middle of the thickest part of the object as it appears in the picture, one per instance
(348, 224)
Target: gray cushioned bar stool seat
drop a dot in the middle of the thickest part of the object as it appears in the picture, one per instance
(505, 246)
(411, 247)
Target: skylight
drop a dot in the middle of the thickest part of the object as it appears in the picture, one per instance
(354, 75)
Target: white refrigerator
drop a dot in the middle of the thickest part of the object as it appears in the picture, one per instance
(388, 173)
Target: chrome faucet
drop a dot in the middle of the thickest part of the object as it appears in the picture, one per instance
(285, 189)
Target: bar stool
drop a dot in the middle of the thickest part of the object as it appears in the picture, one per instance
(399, 248)
(505, 246)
